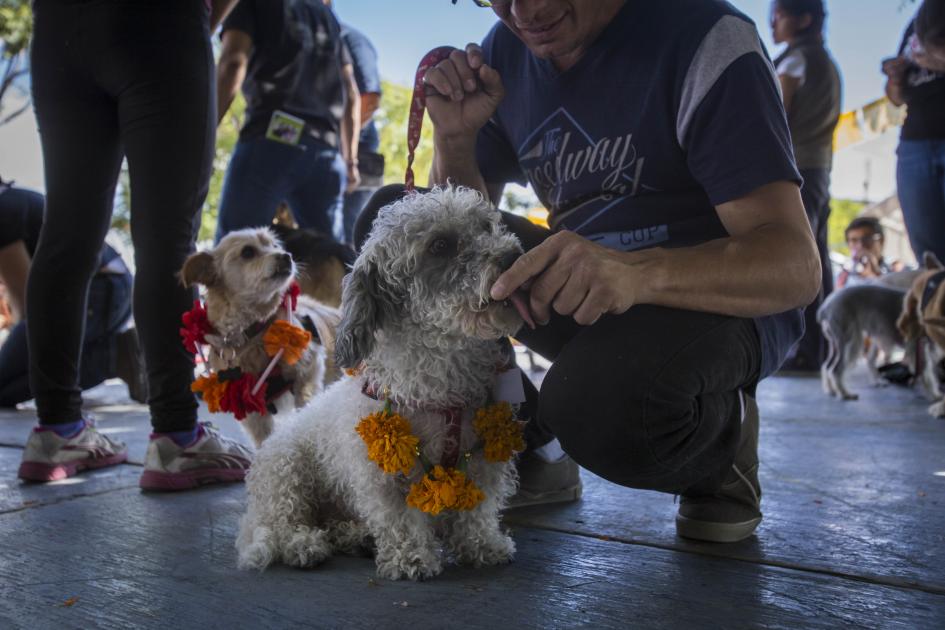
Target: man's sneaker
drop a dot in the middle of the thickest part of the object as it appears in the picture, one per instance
(211, 458)
(49, 457)
(541, 481)
(734, 511)
(129, 365)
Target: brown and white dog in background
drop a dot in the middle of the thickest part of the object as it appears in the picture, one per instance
(246, 277)
(923, 320)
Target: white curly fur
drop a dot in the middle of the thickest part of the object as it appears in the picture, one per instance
(422, 326)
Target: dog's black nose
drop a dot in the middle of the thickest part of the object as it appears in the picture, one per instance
(508, 258)
(285, 262)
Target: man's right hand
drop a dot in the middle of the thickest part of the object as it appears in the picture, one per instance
(462, 94)
(895, 68)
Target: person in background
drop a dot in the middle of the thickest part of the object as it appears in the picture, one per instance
(811, 91)
(109, 344)
(299, 143)
(916, 78)
(865, 239)
(114, 80)
(370, 161)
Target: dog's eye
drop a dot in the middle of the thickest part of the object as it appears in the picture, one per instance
(443, 246)
(248, 252)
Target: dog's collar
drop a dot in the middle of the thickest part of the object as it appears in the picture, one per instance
(452, 418)
(931, 286)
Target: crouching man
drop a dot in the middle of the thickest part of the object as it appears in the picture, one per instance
(679, 252)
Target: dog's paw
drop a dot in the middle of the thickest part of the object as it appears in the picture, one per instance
(409, 563)
(849, 396)
(306, 548)
(491, 550)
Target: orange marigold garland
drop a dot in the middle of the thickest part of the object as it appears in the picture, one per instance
(390, 443)
(211, 389)
(393, 447)
(501, 433)
(292, 340)
(444, 489)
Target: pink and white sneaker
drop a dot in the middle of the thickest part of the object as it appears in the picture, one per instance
(211, 458)
(49, 457)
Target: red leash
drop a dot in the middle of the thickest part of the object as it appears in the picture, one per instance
(418, 104)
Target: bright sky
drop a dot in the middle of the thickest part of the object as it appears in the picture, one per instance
(860, 33)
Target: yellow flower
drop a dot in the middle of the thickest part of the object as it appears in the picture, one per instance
(292, 340)
(390, 443)
(500, 432)
(211, 390)
(444, 489)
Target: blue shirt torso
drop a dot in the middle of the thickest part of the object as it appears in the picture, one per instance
(672, 111)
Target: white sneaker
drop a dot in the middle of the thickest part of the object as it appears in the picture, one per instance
(49, 457)
(212, 458)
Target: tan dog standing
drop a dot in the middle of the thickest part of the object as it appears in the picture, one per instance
(247, 276)
(923, 320)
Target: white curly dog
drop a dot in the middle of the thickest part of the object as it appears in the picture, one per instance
(419, 323)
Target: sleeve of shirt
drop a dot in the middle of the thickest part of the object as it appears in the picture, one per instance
(731, 121)
(794, 65)
(364, 57)
(241, 18)
(497, 160)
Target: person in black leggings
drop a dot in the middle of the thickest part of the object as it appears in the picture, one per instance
(112, 80)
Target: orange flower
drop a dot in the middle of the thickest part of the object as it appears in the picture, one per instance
(444, 489)
(291, 339)
(211, 390)
(500, 432)
(390, 443)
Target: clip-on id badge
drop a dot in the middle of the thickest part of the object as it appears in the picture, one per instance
(285, 128)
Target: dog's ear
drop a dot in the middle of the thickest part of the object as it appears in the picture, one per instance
(931, 261)
(360, 316)
(199, 269)
(908, 323)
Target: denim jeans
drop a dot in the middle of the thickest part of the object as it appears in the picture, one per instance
(811, 350)
(113, 79)
(920, 175)
(354, 203)
(309, 177)
(109, 310)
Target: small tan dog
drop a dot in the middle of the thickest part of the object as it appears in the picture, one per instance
(923, 320)
(247, 277)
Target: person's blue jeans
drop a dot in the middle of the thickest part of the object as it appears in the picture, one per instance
(109, 308)
(920, 175)
(354, 203)
(310, 178)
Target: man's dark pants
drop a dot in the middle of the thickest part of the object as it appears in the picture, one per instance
(811, 350)
(647, 399)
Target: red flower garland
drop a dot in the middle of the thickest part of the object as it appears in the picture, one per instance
(196, 326)
(239, 400)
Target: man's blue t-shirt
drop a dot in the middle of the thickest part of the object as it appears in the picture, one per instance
(673, 110)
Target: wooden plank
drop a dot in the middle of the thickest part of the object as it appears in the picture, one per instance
(19, 495)
(849, 487)
(124, 559)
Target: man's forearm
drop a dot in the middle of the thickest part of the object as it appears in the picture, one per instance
(454, 161)
(766, 271)
(219, 9)
(230, 75)
(351, 128)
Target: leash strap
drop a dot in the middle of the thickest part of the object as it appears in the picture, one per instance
(418, 105)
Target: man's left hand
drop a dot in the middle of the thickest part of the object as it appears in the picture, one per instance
(573, 276)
